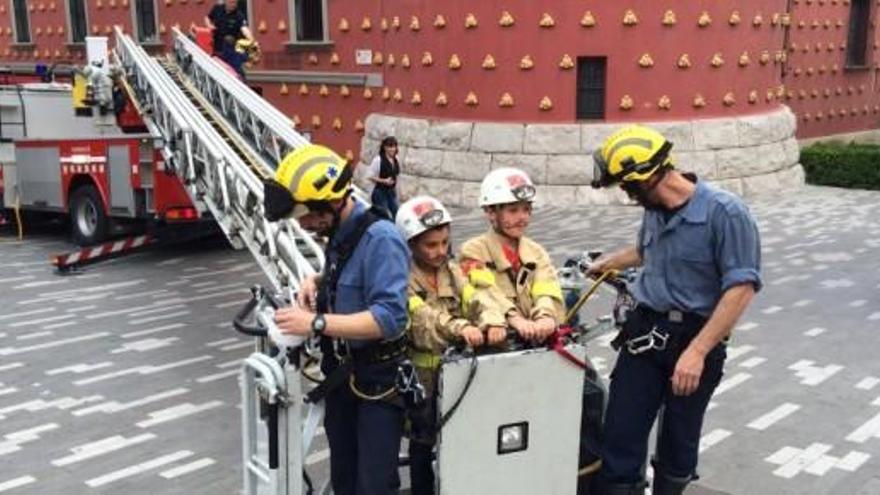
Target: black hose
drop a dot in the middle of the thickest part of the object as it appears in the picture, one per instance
(467, 385)
(240, 321)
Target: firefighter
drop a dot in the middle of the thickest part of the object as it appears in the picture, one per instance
(519, 266)
(444, 309)
(700, 254)
(231, 34)
(358, 307)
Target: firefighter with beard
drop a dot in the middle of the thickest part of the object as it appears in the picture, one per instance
(700, 256)
(517, 265)
(358, 308)
(445, 309)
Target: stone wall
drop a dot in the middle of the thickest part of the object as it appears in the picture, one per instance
(748, 155)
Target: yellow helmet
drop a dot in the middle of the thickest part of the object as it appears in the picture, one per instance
(632, 154)
(308, 175)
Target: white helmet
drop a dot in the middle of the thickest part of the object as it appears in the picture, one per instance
(420, 214)
(506, 185)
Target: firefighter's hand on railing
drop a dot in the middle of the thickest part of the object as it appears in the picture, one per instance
(472, 336)
(495, 335)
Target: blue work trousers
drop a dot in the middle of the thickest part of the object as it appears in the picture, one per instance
(364, 435)
(640, 390)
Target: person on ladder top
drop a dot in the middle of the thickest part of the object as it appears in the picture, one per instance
(444, 308)
(519, 266)
(358, 307)
(231, 34)
(700, 254)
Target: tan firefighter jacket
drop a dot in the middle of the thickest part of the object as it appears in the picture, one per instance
(438, 313)
(534, 289)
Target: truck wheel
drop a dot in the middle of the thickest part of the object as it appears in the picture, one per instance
(88, 221)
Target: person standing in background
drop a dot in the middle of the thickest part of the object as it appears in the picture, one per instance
(382, 174)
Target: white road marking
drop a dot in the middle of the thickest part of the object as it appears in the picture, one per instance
(869, 429)
(157, 318)
(144, 345)
(752, 362)
(218, 343)
(38, 321)
(135, 295)
(14, 440)
(240, 345)
(149, 331)
(734, 352)
(177, 412)
(101, 447)
(60, 325)
(813, 460)
(187, 468)
(5, 351)
(158, 309)
(714, 437)
(731, 382)
(868, 383)
(767, 420)
(17, 482)
(801, 460)
(317, 457)
(138, 468)
(9, 316)
(744, 327)
(35, 335)
(79, 368)
(217, 376)
(813, 375)
(10, 366)
(80, 309)
(142, 370)
(113, 406)
(814, 332)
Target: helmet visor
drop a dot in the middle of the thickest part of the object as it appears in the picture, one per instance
(525, 192)
(601, 177)
(433, 218)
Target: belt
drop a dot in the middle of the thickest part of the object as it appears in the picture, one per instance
(380, 352)
(426, 360)
(673, 316)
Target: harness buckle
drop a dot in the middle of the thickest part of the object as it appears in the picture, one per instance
(654, 339)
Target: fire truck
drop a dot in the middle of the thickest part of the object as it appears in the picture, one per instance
(79, 149)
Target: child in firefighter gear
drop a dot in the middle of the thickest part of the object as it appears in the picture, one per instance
(700, 254)
(444, 308)
(358, 308)
(519, 266)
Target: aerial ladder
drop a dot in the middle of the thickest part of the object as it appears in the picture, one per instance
(223, 140)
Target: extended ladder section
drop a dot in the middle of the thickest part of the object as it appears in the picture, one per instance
(222, 140)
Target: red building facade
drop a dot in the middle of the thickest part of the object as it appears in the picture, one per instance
(550, 78)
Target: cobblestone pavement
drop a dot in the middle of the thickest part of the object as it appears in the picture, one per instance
(122, 379)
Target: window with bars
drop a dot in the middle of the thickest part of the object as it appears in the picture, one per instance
(145, 21)
(309, 20)
(857, 42)
(22, 22)
(591, 88)
(79, 25)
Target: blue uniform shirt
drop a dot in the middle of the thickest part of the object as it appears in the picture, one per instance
(376, 275)
(707, 247)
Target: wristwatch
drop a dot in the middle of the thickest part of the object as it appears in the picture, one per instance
(319, 324)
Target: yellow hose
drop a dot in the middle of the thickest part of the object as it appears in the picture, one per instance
(586, 295)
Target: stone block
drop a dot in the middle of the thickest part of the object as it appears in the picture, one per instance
(733, 185)
(755, 160)
(586, 195)
(497, 138)
(792, 151)
(422, 162)
(412, 132)
(764, 128)
(447, 191)
(533, 165)
(714, 134)
(576, 170)
(378, 126)
(760, 185)
(408, 186)
(444, 135)
(463, 165)
(369, 150)
(470, 194)
(680, 134)
(702, 163)
(594, 135)
(555, 196)
(552, 138)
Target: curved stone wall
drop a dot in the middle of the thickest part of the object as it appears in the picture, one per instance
(747, 155)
